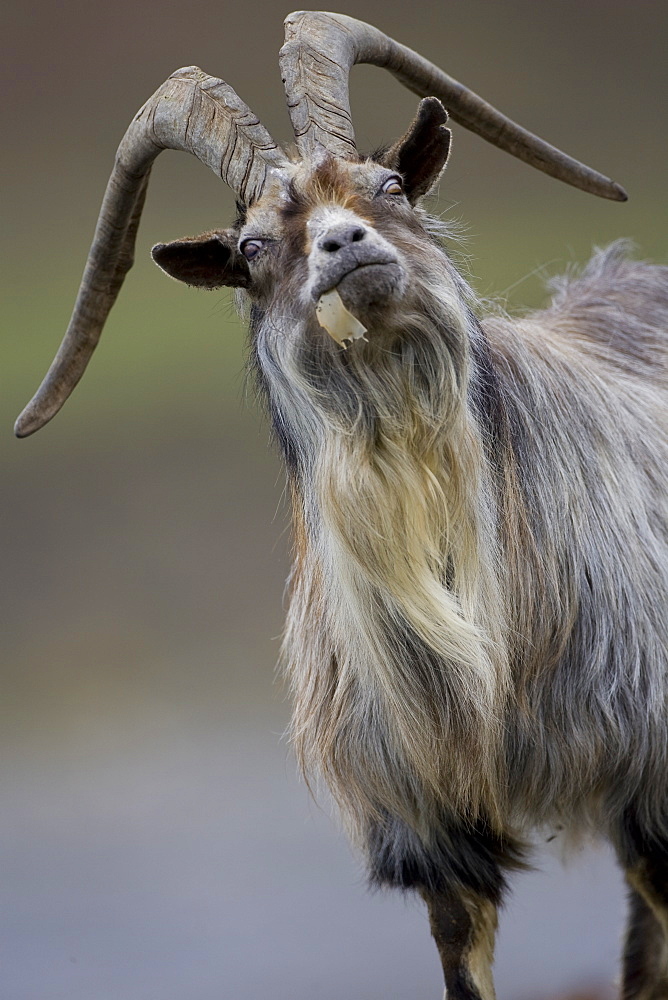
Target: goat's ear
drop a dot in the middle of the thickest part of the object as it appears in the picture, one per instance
(421, 154)
(207, 261)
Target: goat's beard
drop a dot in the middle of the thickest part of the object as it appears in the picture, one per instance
(394, 640)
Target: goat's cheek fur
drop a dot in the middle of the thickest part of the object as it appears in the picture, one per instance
(279, 280)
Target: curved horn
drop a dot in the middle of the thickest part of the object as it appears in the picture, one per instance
(190, 111)
(321, 49)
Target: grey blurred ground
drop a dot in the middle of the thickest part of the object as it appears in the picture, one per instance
(155, 842)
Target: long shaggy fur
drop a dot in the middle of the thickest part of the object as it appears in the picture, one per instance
(584, 384)
(477, 620)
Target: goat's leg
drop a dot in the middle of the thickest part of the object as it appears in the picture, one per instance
(463, 926)
(644, 857)
(459, 870)
(645, 959)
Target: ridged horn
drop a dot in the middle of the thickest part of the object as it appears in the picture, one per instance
(192, 112)
(320, 50)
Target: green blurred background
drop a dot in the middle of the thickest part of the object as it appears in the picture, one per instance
(155, 840)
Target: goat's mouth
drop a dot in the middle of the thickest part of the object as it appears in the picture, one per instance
(357, 296)
(364, 286)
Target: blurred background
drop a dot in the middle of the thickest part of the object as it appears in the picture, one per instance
(155, 841)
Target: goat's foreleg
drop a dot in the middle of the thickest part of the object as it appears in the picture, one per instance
(463, 926)
(459, 870)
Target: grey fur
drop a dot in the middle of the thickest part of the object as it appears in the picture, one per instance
(569, 503)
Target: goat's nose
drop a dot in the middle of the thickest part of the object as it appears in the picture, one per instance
(336, 239)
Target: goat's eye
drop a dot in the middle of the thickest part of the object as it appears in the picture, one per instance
(392, 185)
(251, 248)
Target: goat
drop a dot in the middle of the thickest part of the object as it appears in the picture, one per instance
(476, 637)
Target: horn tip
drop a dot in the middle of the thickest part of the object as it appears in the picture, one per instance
(618, 192)
(28, 422)
(20, 430)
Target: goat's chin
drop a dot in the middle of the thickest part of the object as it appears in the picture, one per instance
(369, 290)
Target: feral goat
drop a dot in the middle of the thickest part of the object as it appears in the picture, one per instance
(477, 637)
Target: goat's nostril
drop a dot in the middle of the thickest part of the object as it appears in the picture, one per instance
(336, 238)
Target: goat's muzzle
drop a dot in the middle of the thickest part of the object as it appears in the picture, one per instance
(359, 263)
(359, 295)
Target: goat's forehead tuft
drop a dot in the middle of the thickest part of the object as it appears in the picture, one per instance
(324, 178)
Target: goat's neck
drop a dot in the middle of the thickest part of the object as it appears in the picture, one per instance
(396, 521)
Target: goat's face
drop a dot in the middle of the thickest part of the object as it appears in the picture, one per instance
(328, 225)
(331, 226)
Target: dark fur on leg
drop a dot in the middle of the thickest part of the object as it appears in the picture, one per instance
(645, 961)
(460, 874)
(472, 857)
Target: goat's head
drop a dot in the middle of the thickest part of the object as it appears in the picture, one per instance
(329, 237)
(325, 234)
